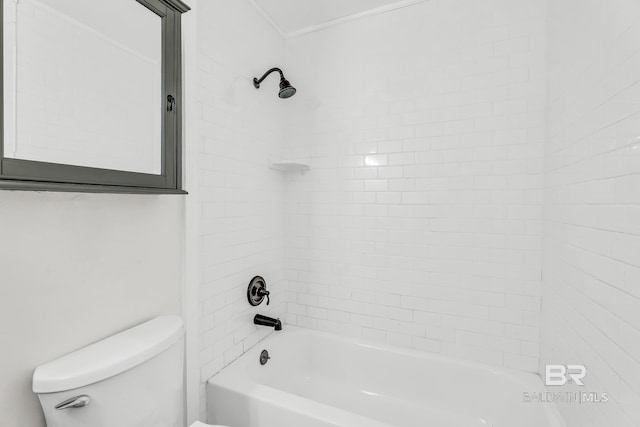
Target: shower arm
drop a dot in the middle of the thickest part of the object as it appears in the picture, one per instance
(256, 82)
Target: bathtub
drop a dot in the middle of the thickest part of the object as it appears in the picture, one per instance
(314, 379)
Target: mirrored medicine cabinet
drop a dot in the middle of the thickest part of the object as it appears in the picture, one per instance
(91, 95)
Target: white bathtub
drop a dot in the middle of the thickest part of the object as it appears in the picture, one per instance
(315, 379)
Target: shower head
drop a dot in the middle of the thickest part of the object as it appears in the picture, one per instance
(286, 90)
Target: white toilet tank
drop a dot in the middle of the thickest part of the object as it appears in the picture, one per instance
(132, 379)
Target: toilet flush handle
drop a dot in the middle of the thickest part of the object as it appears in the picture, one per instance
(74, 402)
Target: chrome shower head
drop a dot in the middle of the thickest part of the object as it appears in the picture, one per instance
(286, 90)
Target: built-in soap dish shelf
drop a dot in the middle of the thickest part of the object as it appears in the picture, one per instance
(290, 165)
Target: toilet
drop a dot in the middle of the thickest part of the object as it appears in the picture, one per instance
(132, 379)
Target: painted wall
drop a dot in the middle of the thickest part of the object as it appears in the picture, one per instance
(591, 298)
(241, 231)
(77, 268)
(419, 224)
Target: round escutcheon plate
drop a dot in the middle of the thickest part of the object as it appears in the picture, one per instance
(255, 297)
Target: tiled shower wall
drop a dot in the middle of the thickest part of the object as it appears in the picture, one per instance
(591, 297)
(419, 223)
(240, 198)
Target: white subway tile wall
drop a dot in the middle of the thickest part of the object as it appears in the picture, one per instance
(241, 199)
(591, 292)
(419, 223)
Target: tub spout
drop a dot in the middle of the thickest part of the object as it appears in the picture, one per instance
(259, 319)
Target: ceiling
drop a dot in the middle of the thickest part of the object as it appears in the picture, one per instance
(299, 16)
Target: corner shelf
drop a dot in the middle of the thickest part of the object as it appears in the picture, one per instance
(291, 165)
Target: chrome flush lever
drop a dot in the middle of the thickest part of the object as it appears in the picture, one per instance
(74, 402)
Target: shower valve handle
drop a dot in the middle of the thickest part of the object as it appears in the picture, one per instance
(257, 291)
(262, 292)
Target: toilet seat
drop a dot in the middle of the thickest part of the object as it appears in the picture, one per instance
(201, 424)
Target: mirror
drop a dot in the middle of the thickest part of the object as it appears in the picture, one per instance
(92, 85)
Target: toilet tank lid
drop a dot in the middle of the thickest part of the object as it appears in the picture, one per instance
(108, 357)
